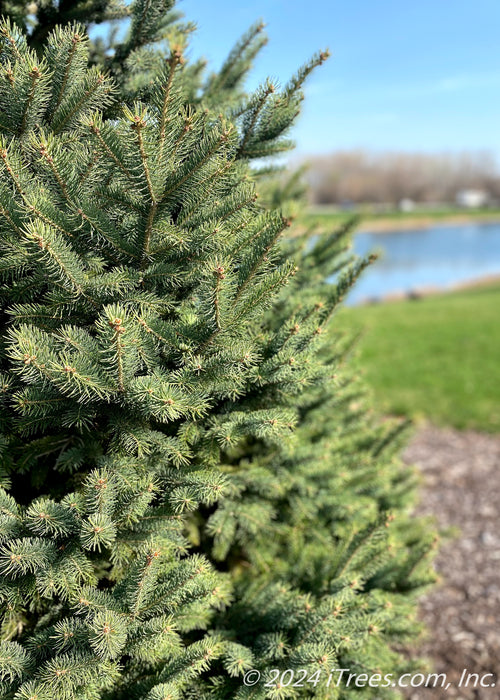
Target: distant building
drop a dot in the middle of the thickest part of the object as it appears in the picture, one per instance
(406, 205)
(471, 199)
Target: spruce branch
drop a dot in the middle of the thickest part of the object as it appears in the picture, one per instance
(10, 170)
(214, 143)
(13, 37)
(137, 125)
(42, 147)
(262, 244)
(255, 110)
(95, 84)
(76, 39)
(94, 125)
(174, 60)
(35, 75)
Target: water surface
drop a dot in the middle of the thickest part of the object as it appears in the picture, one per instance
(413, 260)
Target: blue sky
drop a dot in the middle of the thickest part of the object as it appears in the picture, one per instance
(403, 75)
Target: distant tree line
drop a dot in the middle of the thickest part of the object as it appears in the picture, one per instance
(388, 177)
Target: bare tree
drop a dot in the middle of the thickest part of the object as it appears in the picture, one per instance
(364, 176)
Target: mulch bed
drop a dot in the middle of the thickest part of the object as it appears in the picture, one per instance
(462, 491)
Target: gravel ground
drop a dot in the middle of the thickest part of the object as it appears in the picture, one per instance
(462, 491)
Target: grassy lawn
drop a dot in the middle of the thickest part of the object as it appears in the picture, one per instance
(436, 358)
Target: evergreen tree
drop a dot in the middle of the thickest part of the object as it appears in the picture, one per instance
(193, 482)
(40, 17)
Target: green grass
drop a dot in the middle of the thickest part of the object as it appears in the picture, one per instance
(436, 358)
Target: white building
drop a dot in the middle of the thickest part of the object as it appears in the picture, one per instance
(406, 205)
(471, 199)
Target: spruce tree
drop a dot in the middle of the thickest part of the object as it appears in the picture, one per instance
(194, 484)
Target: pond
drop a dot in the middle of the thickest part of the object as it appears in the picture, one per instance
(415, 260)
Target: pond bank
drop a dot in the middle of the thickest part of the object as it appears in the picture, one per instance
(424, 222)
(423, 292)
(400, 221)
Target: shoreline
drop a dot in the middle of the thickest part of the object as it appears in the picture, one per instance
(400, 222)
(423, 222)
(431, 291)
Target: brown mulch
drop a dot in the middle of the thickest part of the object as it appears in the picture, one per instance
(462, 491)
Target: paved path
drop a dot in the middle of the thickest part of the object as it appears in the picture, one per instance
(462, 490)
